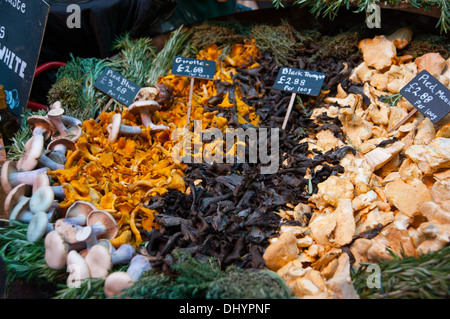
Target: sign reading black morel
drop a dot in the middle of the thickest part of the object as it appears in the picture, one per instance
(22, 26)
(428, 95)
(117, 86)
(194, 68)
(299, 81)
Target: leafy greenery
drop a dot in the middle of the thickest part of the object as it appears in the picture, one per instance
(391, 100)
(204, 279)
(331, 8)
(25, 260)
(424, 277)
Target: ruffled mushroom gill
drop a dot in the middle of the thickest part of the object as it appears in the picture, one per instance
(122, 176)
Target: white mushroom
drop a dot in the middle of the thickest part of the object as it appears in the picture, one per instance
(77, 269)
(42, 199)
(100, 261)
(38, 227)
(118, 281)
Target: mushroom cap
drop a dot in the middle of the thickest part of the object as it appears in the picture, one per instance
(37, 227)
(41, 180)
(14, 196)
(80, 208)
(8, 168)
(67, 142)
(148, 105)
(20, 208)
(56, 250)
(99, 261)
(55, 112)
(33, 150)
(116, 283)
(147, 93)
(115, 127)
(77, 267)
(39, 120)
(56, 105)
(75, 132)
(107, 220)
(67, 230)
(42, 199)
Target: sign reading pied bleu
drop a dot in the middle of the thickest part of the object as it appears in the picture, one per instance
(22, 26)
(428, 95)
(194, 68)
(299, 81)
(117, 86)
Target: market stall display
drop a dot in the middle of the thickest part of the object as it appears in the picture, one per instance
(141, 192)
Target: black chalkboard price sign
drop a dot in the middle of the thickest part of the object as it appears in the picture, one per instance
(299, 81)
(117, 86)
(22, 26)
(428, 95)
(194, 68)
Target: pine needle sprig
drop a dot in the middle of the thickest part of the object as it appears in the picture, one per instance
(424, 277)
(162, 63)
(90, 288)
(25, 260)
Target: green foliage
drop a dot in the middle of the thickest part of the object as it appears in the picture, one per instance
(424, 277)
(25, 260)
(204, 279)
(330, 9)
(391, 100)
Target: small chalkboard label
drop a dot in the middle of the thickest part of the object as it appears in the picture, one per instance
(299, 81)
(194, 68)
(22, 27)
(428, 95)
(117, 86)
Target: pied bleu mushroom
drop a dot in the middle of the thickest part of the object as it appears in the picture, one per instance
(59, 192)
(19, 193)
(100, 225)
(42, 199)
(67, 120)
(57, 249)
(11, 177)
(117, 282)
(21, 212)
(117, 127)
(41, 180)
(72, 132)
(67, 230)
(35, 154)
(34, 148)
(145, 109)
(58, 149)
(38, 227)
(100, 261)
(103, 224)
(77, 268)
(78, 212)
(41, 125)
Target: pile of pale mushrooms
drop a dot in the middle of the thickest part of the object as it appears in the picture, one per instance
(79, 242)
(394, 193)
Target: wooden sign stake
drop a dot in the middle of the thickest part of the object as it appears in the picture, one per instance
(105, 108)
(191, 91)
(407, 117)
(291, 103)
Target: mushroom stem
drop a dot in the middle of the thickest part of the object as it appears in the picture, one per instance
(123, 254)
(44, 160)
(55, 116)
(138, 265)
(27, 177)
(130, 130)
(87, 235)
(59, 192)
(147, 121)
(69, 120)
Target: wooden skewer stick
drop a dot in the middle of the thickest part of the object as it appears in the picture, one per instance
(105, 108)
(291, 103)
(407, 117)
(191, 91)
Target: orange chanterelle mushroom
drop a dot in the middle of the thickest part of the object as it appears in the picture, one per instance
(124, 158)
